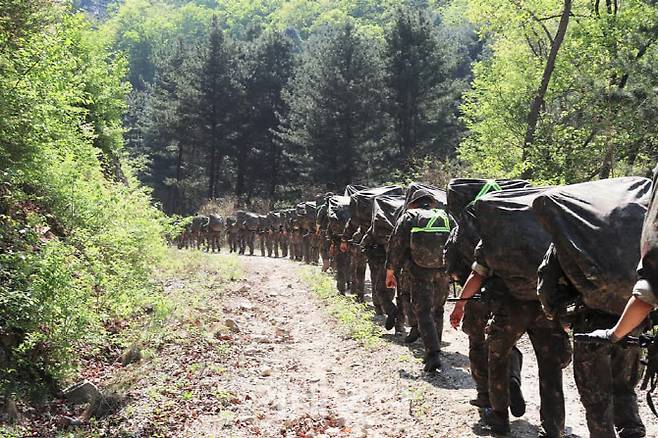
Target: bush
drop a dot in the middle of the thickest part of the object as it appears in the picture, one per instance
(79, 238)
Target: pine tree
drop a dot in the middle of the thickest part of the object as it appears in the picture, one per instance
(212, 103)
(336, 120)
(266, 69)
(416, 73)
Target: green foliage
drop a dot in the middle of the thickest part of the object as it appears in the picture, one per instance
(598, 116)
(79, 239)
(336, 123)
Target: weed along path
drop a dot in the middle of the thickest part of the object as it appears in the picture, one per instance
(257, 347)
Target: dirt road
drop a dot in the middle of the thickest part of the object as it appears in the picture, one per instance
(249, 350)
(299, 371)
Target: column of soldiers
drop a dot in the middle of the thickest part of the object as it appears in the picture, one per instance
(523, 260)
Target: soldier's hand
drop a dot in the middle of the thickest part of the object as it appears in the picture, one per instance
(602, 336)
(343, 247)
(457, 315)
(391, 281)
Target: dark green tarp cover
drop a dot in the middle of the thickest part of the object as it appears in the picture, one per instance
(361, 203)
(439, 195)
(353, 188)
(463, 191)
(596, 228)
(385, 211)
(338, 213)
(514, 241)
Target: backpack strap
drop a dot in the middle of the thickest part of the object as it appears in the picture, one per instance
(430, 228)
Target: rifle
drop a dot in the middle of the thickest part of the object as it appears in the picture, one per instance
(650, 342)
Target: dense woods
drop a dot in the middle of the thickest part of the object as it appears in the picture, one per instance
(273, 111)
(113, 113)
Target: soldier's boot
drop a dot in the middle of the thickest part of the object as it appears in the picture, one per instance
(498, 421)
(482, 400)
(391, 318)
(432, 361)
(413, 336)
(516, 400)
(399, 327)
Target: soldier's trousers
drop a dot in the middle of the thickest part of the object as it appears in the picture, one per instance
(250, 240)
(511, 319)
(381, 295)
(268, 243)
(476, 317)
(342, 271)
(326, 256)
(606, 376)
(404, 296)
(358, 263)
(232, 243)
(261, 244)
(284, 242)
(429, 292)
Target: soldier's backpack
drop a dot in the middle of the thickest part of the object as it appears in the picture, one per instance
(361, 203)
(385, 212)
(465, 191)
(596, 227)
(429, 233)
(338, 213)
(514, 241)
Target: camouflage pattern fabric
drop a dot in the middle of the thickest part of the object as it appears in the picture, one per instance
(606, 377)
(511, 319)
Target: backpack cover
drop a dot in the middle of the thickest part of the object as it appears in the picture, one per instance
(596, 227)
(429, 233)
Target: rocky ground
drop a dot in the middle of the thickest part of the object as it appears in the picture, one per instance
(262, 355)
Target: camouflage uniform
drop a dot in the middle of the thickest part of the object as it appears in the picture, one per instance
(284, 241)
(404, 294)
(262, 237)
(342, 261)
(352, 236)
(606, 376)
(382, 297)
(429, 287)
(476, 317)
(296, 240)
(511, 319)
(316, 243)
(232, 237)
(247, 240)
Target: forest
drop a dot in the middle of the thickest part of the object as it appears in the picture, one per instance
(117, 117)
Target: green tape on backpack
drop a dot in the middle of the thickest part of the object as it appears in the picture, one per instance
(490, 186)
(430, 228)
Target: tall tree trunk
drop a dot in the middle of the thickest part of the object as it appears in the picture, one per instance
(274, 169)
(212, 168)
(538, 101)
(242, 158)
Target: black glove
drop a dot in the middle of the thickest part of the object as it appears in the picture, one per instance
(601, 336)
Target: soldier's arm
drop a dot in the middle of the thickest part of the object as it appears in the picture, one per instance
(350, 229)
(398, 244)
(479, 272)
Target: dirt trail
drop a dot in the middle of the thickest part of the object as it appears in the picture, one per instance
(297, 370)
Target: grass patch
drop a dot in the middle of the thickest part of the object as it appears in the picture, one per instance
(355, 318)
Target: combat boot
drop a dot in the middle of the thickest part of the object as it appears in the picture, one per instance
(390, 319)
(413, 335)
(498, 421)
(432, 362)
(482, 400)
(516, 400)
